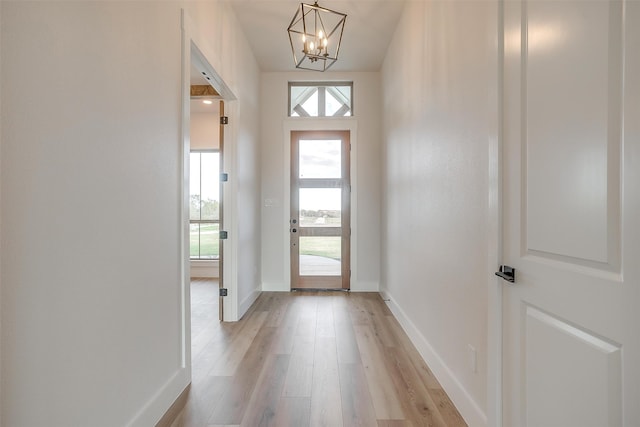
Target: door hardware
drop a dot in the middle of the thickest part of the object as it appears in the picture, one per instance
(507, 273)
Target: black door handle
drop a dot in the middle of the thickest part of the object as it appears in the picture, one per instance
(507, 273)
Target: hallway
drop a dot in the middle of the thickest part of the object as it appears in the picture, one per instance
(312, 358)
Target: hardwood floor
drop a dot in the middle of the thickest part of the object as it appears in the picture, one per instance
(308, 359)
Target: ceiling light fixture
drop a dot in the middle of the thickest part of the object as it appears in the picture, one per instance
(315, 34)
(207, 101)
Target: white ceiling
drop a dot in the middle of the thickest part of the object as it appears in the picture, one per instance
(197, 78)
(368, 30)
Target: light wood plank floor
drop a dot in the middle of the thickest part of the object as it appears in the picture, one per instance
(308, 359)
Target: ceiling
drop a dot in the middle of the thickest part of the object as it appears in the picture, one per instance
(196, 77)
(368, 30)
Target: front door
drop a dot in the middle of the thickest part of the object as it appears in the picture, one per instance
(571, 200)
(320, 215)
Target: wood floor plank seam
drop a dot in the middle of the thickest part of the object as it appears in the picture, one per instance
(303, 359)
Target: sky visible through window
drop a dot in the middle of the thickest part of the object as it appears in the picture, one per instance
(320, 159)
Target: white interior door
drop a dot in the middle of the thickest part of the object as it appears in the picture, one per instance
(571, 194)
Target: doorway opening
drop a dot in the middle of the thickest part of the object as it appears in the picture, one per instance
(204, 100)
(206, 189)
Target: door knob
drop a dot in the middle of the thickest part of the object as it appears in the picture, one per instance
(507, 273)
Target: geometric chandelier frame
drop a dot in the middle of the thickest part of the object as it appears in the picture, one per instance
(315, 34)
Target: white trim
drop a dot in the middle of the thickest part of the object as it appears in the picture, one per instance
(184, 195)
(470, 410)
(274, 286)
(321, 123)
(246, 303)
(1, 365)
(230, 218)
(494, 234)
(203, 62)
(152, 411)
(157, 406)
(365, 286)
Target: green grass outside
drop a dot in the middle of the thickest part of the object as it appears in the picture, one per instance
(209, 243)
(207, 240)
(328, 247)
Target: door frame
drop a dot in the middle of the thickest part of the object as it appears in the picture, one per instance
(290, 124)
(495, 225)
(198, 60)
(193, 56)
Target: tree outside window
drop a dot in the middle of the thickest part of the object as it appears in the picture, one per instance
(204, 205)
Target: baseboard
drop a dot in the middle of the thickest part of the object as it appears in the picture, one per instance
(170, 418)
(156, 408)
(246, 303)
(274, 287)
(467, 406)
(361, 286)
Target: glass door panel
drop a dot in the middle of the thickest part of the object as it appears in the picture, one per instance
(320, 158)
(320, 256)
(320, 207)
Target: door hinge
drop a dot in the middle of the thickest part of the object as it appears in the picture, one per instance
(224, 177)
(223, 292)
(224, 120)
(223, 235)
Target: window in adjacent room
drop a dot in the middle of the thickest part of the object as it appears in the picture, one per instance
(204, 205)
(324, 99)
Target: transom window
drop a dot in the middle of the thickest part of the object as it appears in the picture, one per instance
(324, 99)
(204, 205)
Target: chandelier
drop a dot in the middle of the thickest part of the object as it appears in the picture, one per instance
(315, 34)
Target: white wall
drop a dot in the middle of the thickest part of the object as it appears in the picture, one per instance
(205, 130)
(440, 108)
(1, 115)
(365, 138)
(222, 42)
(90, 185)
